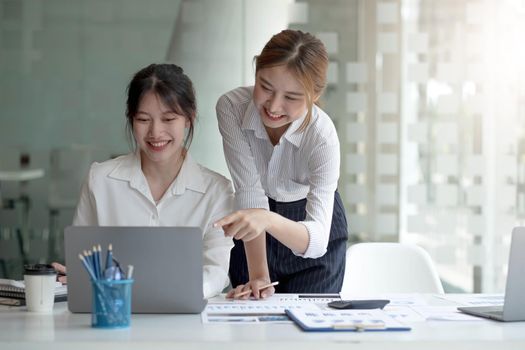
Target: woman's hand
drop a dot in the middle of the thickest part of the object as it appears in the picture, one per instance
(61, 269)
(245, 224)
(252, 288)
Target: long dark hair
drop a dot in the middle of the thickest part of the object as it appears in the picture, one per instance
(171, 85)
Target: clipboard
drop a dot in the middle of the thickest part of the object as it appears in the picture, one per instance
(317, 320)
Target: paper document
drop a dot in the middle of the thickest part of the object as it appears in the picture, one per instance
(271, 309)
(474, 299)
(403, 314)
(443, 313)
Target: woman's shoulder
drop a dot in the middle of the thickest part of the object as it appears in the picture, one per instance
(239, 96)
(204, 179)
(104, 168)
(321, 125)
(212, 178)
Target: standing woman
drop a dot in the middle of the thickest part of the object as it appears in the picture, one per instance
(283, 154)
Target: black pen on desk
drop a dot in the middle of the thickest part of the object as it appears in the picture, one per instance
(249, 290)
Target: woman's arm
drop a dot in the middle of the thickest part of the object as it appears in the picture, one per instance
(259, 276)
(85, 215)
(324, 174)
(250, 224)
(248, 189)
(238, 153)
(308, 238)
(216, 253)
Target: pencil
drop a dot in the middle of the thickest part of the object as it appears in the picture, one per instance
(88, 268)
(95, 261)
(100, 267)
(249, 290)
(89, 259)
(109, 257)
(91, 273)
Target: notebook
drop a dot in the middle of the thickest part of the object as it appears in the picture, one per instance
(167, 266)
(12, 292)
(513, 308)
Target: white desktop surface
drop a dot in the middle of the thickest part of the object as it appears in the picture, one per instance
(21, 175)
(20, 329)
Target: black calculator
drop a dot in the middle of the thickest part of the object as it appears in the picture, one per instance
(359, 304)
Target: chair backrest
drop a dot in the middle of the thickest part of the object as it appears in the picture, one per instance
(68, 170)
(377, 268)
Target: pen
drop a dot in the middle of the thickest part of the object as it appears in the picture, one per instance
(109, 257)
(130, 272)
(249, 290)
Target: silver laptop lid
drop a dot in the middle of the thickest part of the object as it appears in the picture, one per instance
(167, 266)
(514, 306)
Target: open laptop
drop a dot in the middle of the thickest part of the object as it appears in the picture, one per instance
(167, 265)
(513, 308)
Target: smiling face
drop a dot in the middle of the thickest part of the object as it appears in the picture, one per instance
(279, 98)
(158, 131)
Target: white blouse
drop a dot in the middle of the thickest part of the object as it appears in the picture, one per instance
(116, 193)
(302, 165)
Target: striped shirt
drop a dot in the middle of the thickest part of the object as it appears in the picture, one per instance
(302, 165)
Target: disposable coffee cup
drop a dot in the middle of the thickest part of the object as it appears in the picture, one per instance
(40, 281)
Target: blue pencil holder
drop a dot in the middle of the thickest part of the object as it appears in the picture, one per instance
(111, 305)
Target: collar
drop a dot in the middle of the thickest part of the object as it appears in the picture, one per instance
(129, 169)
(190, 177)
(252, 121)
(292, 135)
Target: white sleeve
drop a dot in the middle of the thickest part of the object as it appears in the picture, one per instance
(239, 157)
(86, 212)
(324, 174)
(217, 247)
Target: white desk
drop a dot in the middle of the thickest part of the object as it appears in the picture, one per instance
(20, 329)
(21, 175)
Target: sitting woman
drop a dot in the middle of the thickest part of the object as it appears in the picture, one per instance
(159, 184)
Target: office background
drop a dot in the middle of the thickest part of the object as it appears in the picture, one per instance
(428, 98)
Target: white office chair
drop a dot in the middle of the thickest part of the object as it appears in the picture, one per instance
(377, 268)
